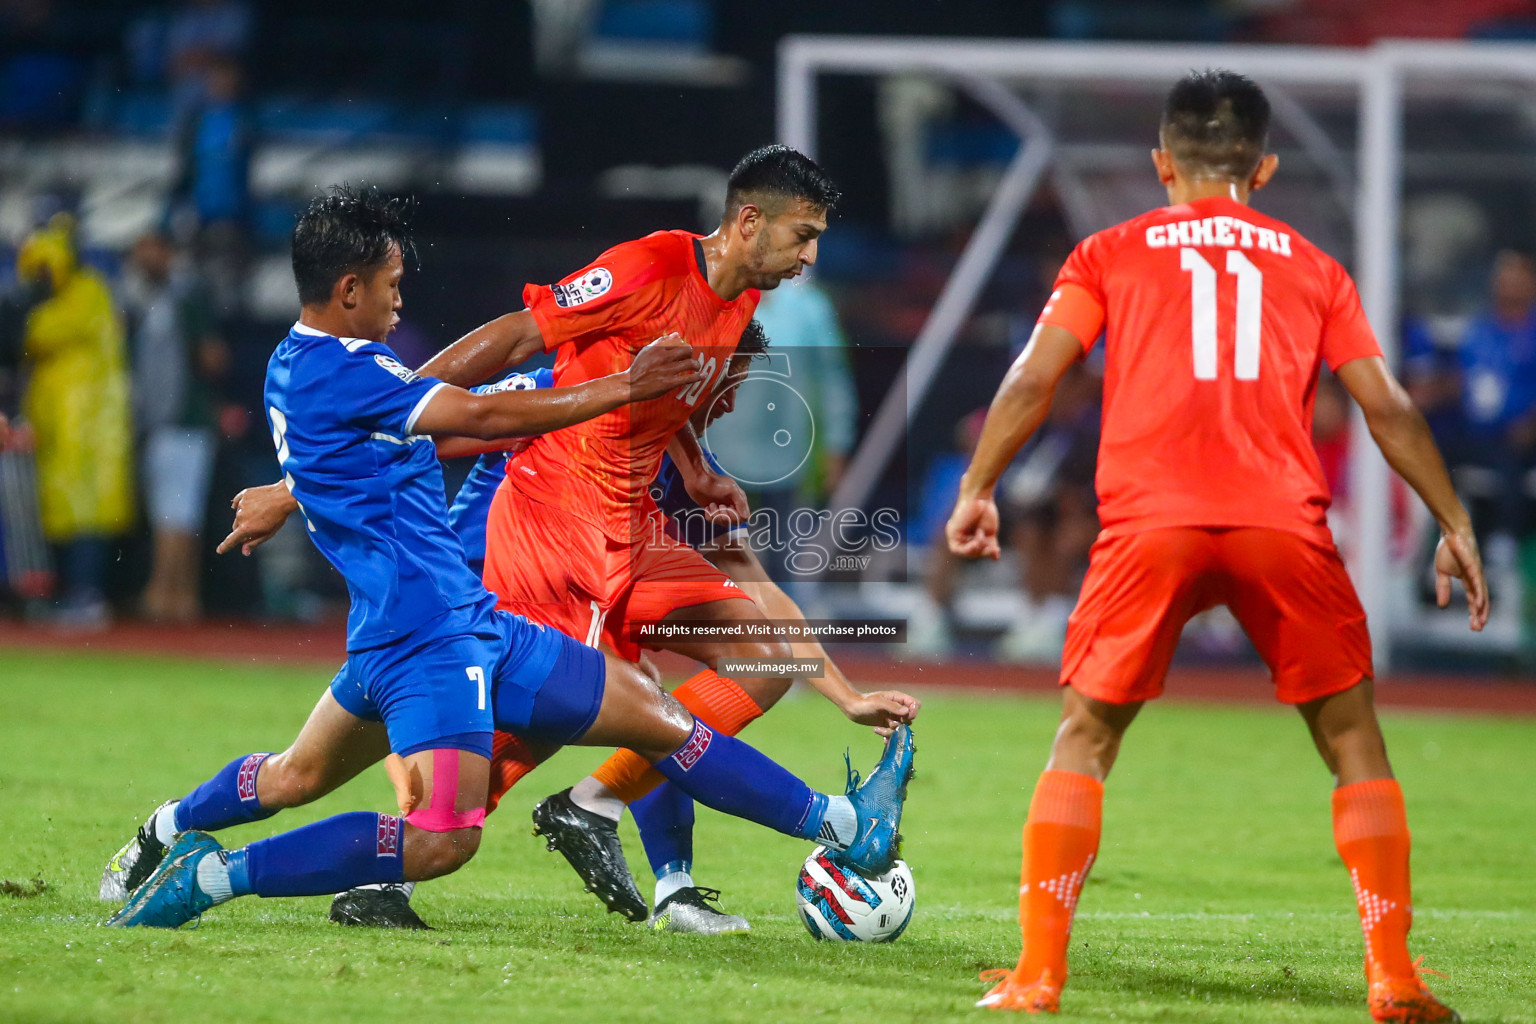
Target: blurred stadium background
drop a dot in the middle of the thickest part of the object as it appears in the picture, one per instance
(170, 146)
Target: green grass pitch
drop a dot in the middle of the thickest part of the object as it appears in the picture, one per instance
(1217, 896)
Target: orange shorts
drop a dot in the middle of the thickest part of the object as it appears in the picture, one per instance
(553, 568)
(1291, 595)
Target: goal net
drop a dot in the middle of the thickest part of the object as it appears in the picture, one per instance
(1409, 162)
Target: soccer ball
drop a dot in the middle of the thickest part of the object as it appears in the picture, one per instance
(838, 903)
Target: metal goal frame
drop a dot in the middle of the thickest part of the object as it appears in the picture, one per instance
(982, 68)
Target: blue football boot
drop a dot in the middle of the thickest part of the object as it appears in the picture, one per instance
(170, 897)
(878, 800)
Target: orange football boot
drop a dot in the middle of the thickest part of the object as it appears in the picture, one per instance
(1408, 1000)
(1042, 995)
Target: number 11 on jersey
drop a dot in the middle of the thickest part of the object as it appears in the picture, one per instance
(1202, 312)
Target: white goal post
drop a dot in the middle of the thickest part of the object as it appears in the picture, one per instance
(1377, 75)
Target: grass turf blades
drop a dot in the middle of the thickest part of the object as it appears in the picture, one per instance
(1217, 896)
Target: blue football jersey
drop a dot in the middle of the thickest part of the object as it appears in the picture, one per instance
(472, 505)
(342, 413)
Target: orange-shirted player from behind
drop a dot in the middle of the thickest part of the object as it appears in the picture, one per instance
(1215, 321)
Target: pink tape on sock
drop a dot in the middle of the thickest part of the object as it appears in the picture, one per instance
(439, 815)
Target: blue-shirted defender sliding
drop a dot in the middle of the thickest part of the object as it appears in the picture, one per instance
(432, 668)
(665, 817)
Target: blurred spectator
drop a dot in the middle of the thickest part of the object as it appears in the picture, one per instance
(180, 49)
(76, 403)
(800, 316)
(204, 31)
(1333, 439)
(1051, 511)
(212, 193)
(1498, 388)
(808, 344)
(932, 631)
(1432, 377)
(178, 360)
(215, 150)
(40, 76)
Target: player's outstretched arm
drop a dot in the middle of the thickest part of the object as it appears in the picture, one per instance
(662, 366)
(1404, 438)
(1017, 411)
(259, 513)
(883, 710)
(485, 351)
(466, 447)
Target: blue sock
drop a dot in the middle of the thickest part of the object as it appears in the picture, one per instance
(229, 798)
(333, 855)
(665, 819)
(722, 772)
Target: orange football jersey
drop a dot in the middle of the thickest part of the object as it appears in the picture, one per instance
(598, 319)
(1215, 320)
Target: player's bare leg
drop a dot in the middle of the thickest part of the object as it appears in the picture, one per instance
(582, 822)
(1088, 739)
(728, 705)
(1370, 828)
(443, 814)
(388, 904)
(442, 796)
(1061, 840)
(722, 773)
(1347, 735)
(764, 692)
(331, 749)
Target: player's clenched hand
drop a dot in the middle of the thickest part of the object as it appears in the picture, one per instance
(884, 709)
(721, 498)
(1457, 556)
(259, 513)
(661, 366)
(972, 528)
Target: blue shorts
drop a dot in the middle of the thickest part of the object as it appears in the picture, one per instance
(474, 670)
(564, 703)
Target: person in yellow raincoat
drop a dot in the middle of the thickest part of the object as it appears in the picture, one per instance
(76, 402)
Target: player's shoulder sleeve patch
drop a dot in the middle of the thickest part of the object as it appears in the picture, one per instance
(394, 366)
(592, 284)
(512, 382)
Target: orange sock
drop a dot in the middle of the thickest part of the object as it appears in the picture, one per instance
(510, 760)
(1061, 838)
(1370, 829)
(718, 702)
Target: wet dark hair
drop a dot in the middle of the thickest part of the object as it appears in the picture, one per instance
(754, 340)
(1217, 122)
(779, 173)
(348, 231)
